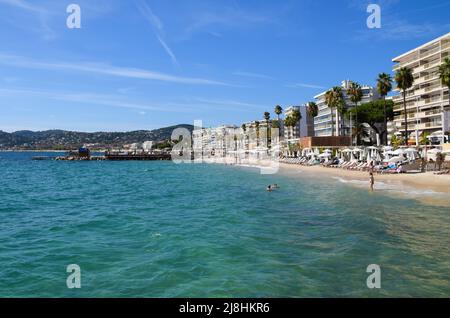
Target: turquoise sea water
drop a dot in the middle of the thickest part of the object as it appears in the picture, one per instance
(156, 229)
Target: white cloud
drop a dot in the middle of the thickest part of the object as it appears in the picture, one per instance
(158, 26)
(253, 75)
(22, 4)
(93, 99)
(102, 69)
(304, 85)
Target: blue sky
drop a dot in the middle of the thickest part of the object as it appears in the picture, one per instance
(146, 64)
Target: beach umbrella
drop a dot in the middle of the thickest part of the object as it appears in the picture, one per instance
(377, 157)
(399, 152)
(369, 157)
(395, 159)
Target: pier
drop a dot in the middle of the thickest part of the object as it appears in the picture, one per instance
(137, 156)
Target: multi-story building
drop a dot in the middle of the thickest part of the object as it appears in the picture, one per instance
(330, 123)
(304, 127)
(214, 141)
(427, 100)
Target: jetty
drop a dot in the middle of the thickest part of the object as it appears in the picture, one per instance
(84, 154)
(117, 156)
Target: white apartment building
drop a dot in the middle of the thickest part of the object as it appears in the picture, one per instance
(427, 100)
(328, 123)
(214, 141)
(305, 126)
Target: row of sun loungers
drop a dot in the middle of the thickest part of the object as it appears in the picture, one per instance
(348, 165)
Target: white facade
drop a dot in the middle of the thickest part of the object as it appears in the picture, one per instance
(328, 123)
(427, 101)
(214, 141)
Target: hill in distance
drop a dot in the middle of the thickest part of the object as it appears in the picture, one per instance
(63, 140)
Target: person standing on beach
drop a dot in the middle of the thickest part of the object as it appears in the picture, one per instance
(372, 181)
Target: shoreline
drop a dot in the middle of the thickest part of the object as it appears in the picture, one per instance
(425, 187)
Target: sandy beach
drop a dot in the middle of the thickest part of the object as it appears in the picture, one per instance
(427, 180)
(419, 183)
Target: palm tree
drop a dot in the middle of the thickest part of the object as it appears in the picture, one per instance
(405, 80)
(355, 93)
(335, 100)
(444, 75)
(267, 118)
(244, 129)
(384, 86)
(288, 124)
(312, 109)
(278, 111)
(257, 133)
(296, 117)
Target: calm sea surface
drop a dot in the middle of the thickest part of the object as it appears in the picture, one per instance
(156, 229)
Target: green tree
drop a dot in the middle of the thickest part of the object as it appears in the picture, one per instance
(384, 86)
(373, 113)
(359, 131)
(355, 93)
(444, 74)
(405, 80)
(257, 132)
(278, 111)
(267, 118)
(244, 130)
(312, 109)
(424, 138)
(396, 141)
(334, 98)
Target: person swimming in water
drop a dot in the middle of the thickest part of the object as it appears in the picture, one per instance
(269, 188)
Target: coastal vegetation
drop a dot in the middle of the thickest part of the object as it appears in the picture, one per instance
(334, 98)
(292, 119)
(384, 86)
(355, 93)
(444, 75)
(405, 80)
(374, 114)
(312, 109)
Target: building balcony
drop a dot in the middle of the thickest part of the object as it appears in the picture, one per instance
(427, 78)
(427, 66)
(429, 125)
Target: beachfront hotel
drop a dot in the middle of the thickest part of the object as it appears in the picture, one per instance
(427, 100)
(328, 123)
